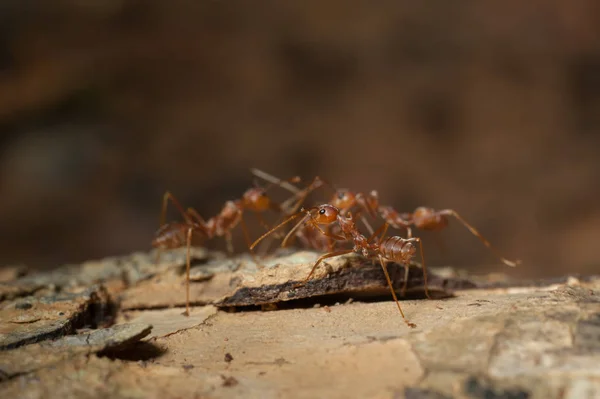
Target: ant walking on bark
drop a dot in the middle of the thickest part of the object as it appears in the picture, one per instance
(385, 249)
(177, 234)
(423, 218)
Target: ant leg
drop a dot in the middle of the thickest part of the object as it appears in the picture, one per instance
(194, 214)
(333, 239)
(157, 259)
(246, 235)
(330, 242)
(389, 281)
(451, 212)
(187, 272)
(332, 245)
(363, 204)
(163, 213)
(229, 242)
(417, 239)
(382, 229)
(369, 202)
(384, 232)
(285, 184)
(166, 197)
(248, 242)
(290, 234)
(200, 224)
(298, 198)
(274, 180)
(323, 257)
(291, 205)
(261, 221)
(367, 224)
(405, 285)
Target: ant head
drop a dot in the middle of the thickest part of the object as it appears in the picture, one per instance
(343, 199)
(256, 199)
(325, 214)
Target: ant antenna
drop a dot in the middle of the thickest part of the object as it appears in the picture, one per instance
(282, 183)
(289, 219)
(296, 227)
(276, 181)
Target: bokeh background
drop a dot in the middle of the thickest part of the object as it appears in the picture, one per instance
(490, 108)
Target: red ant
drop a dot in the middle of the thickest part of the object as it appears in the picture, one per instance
(422, 218)
(310, 236)
(386, 249)
(176, 234)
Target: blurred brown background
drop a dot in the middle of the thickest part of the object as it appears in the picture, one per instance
(492, 109)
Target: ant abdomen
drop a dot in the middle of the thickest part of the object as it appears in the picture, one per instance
(170, 235)
(397, 249)
(428, 219)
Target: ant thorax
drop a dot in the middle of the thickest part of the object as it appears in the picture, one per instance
(361, 244)
(229, 217)
(392, 216)
(348, 226)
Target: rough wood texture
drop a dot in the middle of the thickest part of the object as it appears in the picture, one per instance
(506, 340)
(35, 319)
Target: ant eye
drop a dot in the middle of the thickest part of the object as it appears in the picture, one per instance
(341, 195)
(322, 211)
